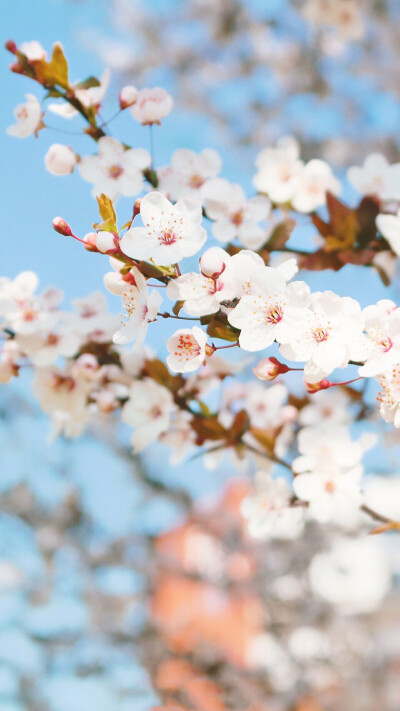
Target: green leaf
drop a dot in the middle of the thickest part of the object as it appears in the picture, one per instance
(88, 83)
(224, 331)
(107, 212)
(54, 72)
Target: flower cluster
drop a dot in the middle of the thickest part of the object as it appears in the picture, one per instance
(244, 295)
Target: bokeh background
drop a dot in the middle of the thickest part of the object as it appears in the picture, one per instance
(83, 534)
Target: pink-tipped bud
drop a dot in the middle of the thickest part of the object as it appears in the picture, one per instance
(136, 208)
(323, 384)
(11, 46)
(269, 369)
(213, 262)
(90, 241)
(127, 96)
(62, 227)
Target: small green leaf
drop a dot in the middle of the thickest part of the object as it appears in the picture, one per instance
(88, 83)
(54, 72)
(107, 212)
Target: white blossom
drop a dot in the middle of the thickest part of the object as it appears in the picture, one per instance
(188, 173)
(171, 232)
(380, 345)
(234, 215)
(187, 349)
(268, 510)
(33, 51)
(59, 159)
(141, 309)
(29, 118)
(316, 180)
(376, 177)
(389, 226)
(270, 311)
(149, 410)
(279, 170)
(325, 334)
(151, 106)
(90, 98)
(114, 170)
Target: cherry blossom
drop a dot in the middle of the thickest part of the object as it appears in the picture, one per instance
(187, 349)
(270, 311)
(328, 472)
(380, 347)
(171, 232)
(92, 319)
(90, 98)
(24, 311)
(29, 118)
(326, 406)
(234, 215)
(279, 170)
(64, 398)
(151, 106)
(60, 160)
(389, 396)
(376, 177)
(325, 335)
(389, 226)
(268, 512)
(141, 309)
(45, 348)
(114, 170)
(316, 180)
(33, 51)
(188, 173)
(148, 409)
(202, 294)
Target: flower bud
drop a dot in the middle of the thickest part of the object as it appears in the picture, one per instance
(11, 46)
(62, 227)
(269, 369)
(59, 159)
(323, 384)
(90, 241)
(213, 262)
(105, 242)
(127, 96)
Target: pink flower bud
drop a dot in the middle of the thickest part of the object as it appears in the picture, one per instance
(213, 262)
(62, 227)
(11, 46)
(323, 384)
(90, 241)
(127, 96)
(269, 369)
(151, 106)
(106, 242)
(59, 159)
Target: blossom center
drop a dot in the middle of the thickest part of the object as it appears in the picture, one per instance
(237, 218)
(115, 171)
(187, 347)
(274, 314)
(320, 334)
(196, 181)
(168, 237)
